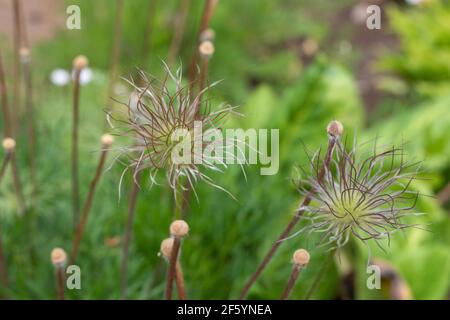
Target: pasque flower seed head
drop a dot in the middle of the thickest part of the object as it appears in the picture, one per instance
(366, 197)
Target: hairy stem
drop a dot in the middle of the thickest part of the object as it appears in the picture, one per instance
(179, 279)
(3, 269)
(172, 267)
(75, 124)
(87, 207)
(178, 28)
(8, 127)
(5, 163)
(291, 282)
(59, 283)
(295, 219)
(17, 40)
(208, 11)
(30, 127)
(128, 235)
(115, 51)
(319, 275)
(148, 31)
(4, 101)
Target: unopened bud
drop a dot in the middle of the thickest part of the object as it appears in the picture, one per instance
(179, 228)
(300, 257)
(335, 128)
(206, 49)
(207, 35)
(107, 140)
(80, 62)
(58, 257)
(9, 144)
(166, 247)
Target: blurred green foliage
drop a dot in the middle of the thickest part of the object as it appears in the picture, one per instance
(423, 60)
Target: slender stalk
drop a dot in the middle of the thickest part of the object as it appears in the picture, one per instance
(208, 11)
(179, 279)
(17, 41)
(178, 28)
(74, 158)
(115, 52)
(291, 283)
(6, 160)
(172, 267)
(79, 63)
(148, 31)
(59, 283)
(58, 258)
(26, 66)
(128, 235)
(4, 101)
(319, 276)
(18, 186)
(444, 195)
(8, 128)
(106, 142)
(3, 270)
(295, 219)
(206, 50)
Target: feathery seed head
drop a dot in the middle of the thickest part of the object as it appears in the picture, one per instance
(179, 228)
(9, 144)
(365, 196)
(58, 257)
(164, 120)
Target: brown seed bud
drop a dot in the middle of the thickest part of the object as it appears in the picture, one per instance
(179, 228)
(207, 35)
(9, 144)
(58, 257)
(166, 247)
(107, 140)
(335, 128)
(206, 49)
(300, 257)
(80, 62)
(24, 54)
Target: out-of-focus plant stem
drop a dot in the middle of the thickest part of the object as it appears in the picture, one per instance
(115, 53)
(172, 267)
(128, 236)
(178, 30)
(87, 207)
(295, 219)
(74, 158)
(208, 11)
(291, 282)
(8, 130)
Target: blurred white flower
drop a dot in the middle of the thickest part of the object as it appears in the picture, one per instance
(414, 2)
(60, 77)
(85, 76)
